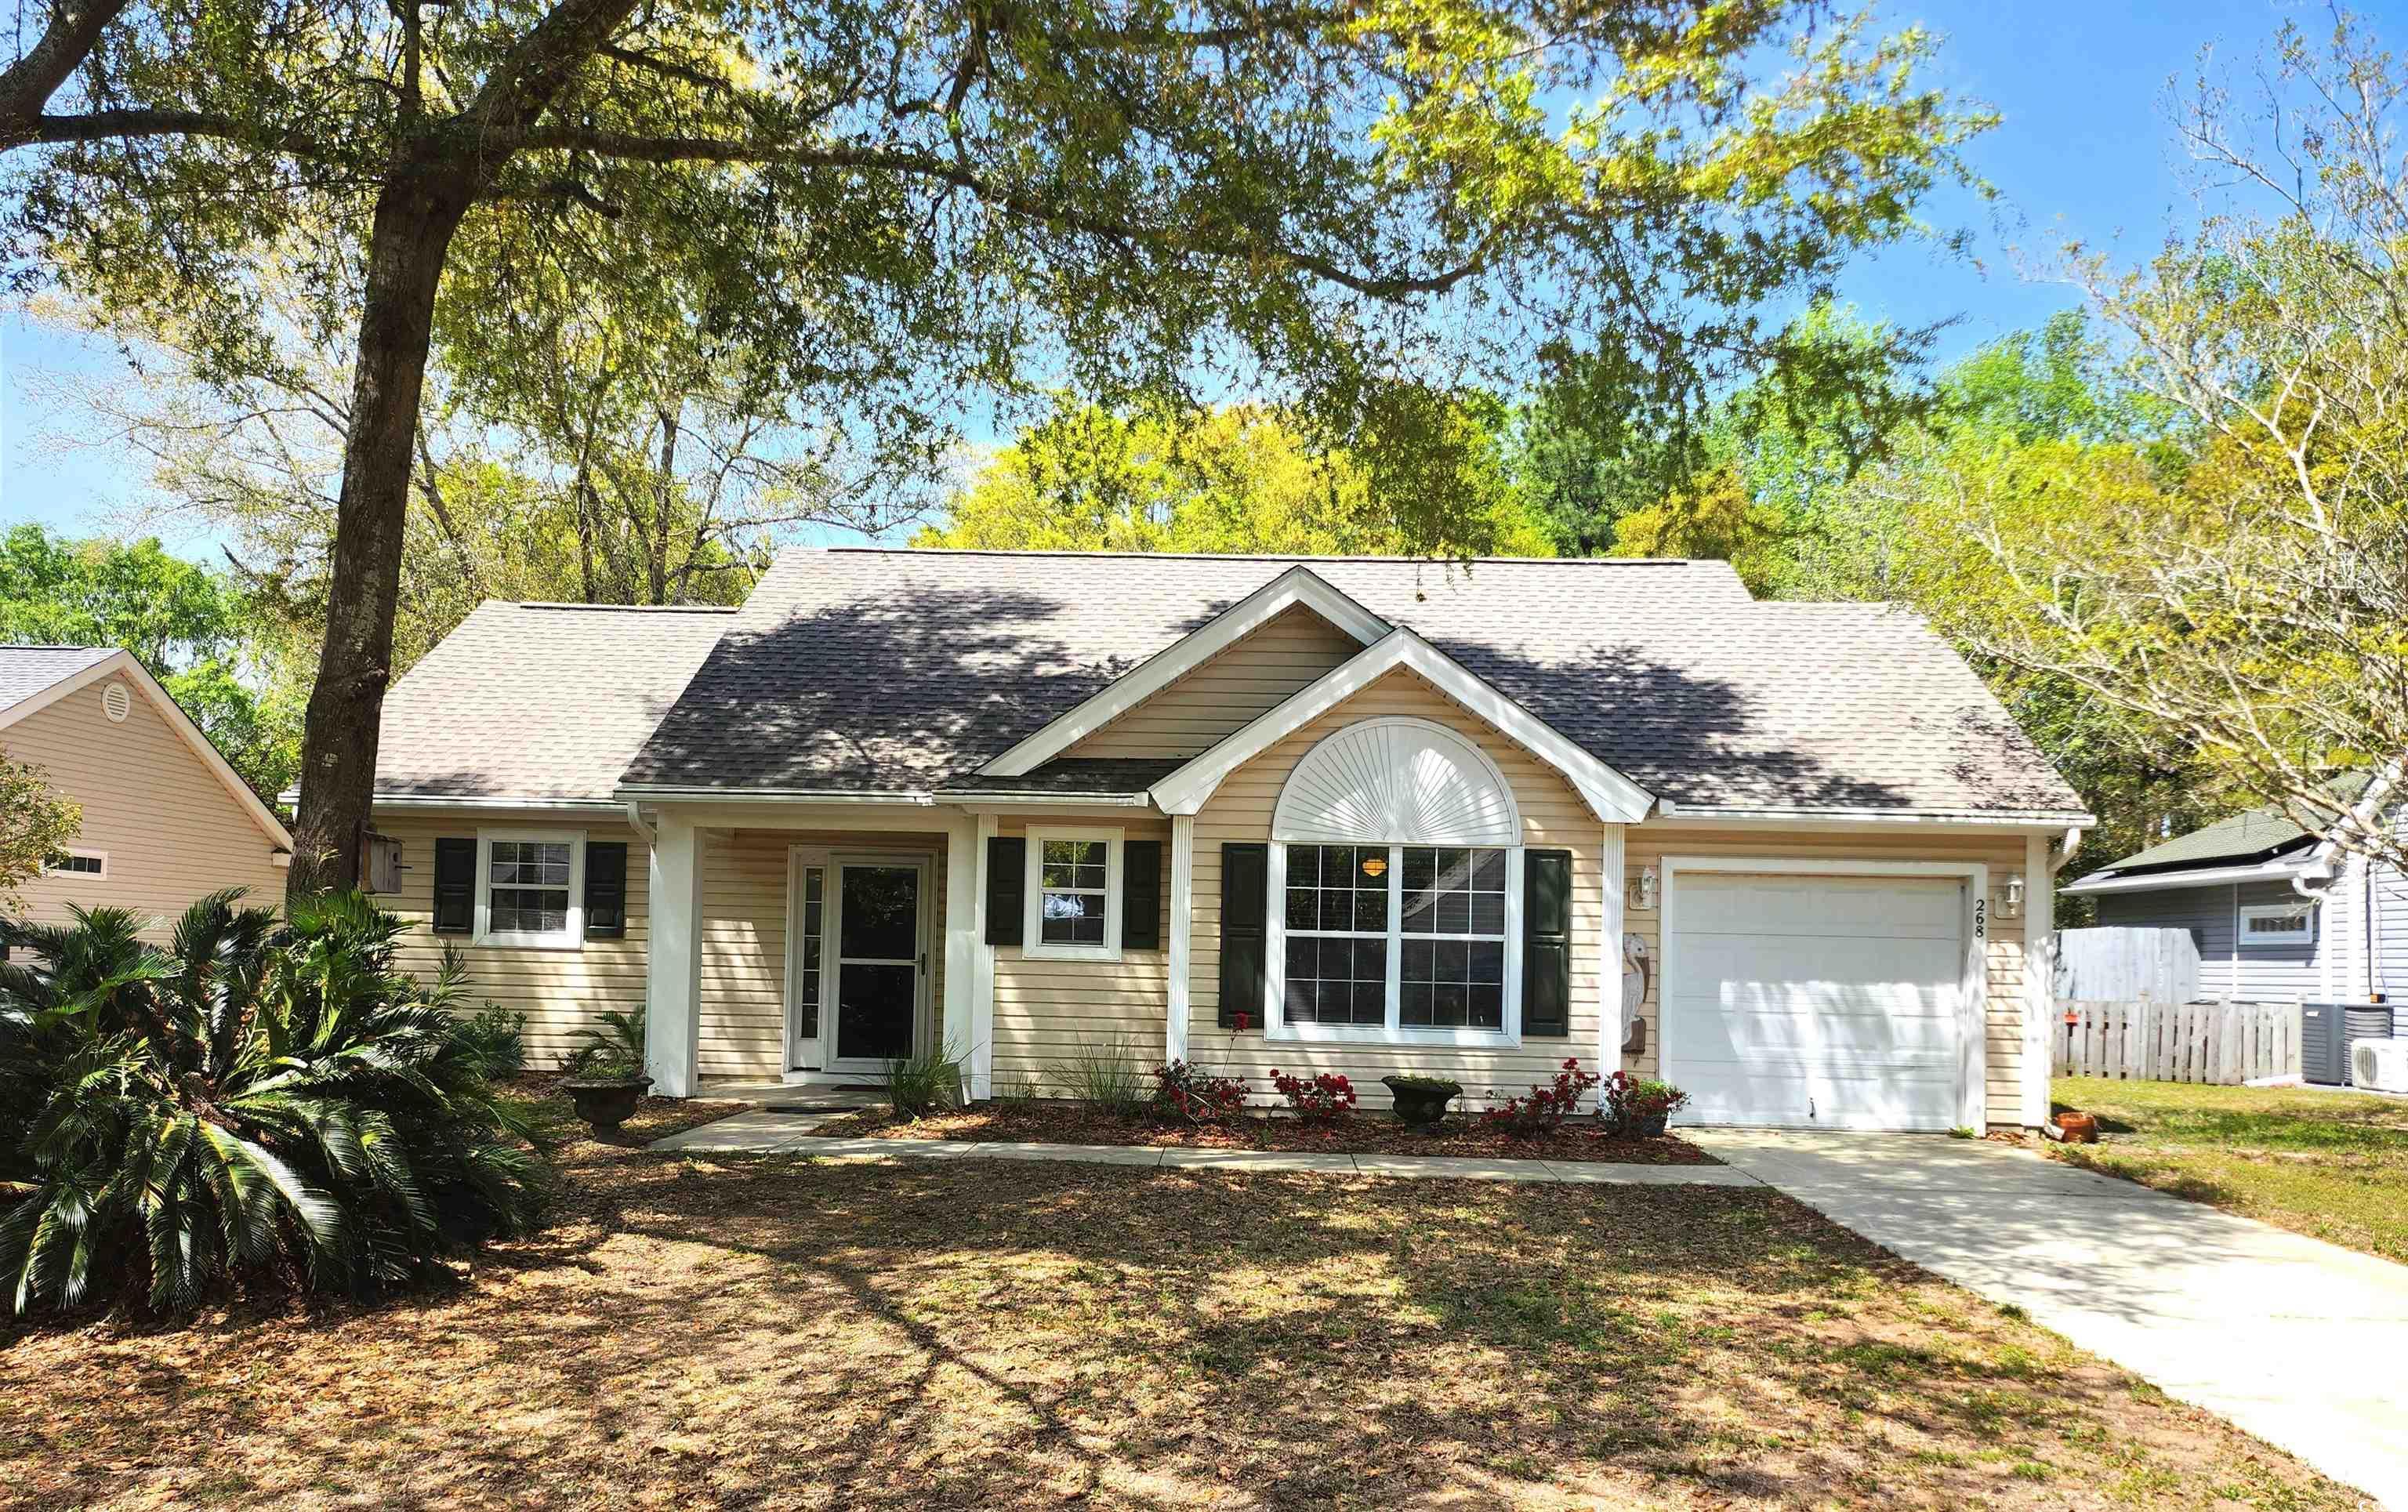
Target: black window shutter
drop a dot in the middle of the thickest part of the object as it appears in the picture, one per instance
(1006, 888)
(455, 886)
(1245, 930)
(1547, 944)
(1141, 896)
(606, 889)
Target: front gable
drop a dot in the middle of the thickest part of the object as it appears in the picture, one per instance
(1220, 696)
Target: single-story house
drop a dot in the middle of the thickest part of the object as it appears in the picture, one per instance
(165, 819)
(1353, 815)
(2278, 914)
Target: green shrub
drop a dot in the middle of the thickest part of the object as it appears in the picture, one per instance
(1107, 1073)
(919, 1085)
(255, 1103)
(495, 1037)
(614, 1048)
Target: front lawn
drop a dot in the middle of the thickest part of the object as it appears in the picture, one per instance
(786, 1333)
(2333, 1165)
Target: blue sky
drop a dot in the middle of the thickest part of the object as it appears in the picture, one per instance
(2082, 150)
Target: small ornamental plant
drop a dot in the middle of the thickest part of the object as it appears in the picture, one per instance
(1545, 1111)
(1324, 1099)
(1187, 1091)
(1636, 1107)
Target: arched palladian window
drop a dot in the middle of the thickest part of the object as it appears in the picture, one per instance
(1396, 876)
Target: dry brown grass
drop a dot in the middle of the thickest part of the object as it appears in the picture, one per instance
(784, 1333)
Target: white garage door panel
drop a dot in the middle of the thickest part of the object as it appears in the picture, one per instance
(1825, 1002)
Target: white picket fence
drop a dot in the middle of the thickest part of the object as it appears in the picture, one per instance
(2221, 1043)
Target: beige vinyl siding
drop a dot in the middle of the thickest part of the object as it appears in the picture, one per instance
(1250, 676)
(563, 992)
(1553, 818)
(1047, 1010)
(1646, 845)
(171, 828)
(743, 1006)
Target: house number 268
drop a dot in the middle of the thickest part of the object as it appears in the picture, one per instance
(1981, 918)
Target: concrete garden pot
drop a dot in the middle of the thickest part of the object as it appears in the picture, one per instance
(605, 1102)
(1421, 1100)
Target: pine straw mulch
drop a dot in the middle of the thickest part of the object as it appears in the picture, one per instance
(1067, 1123)
(776, 1332)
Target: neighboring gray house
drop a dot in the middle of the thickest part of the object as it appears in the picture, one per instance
(2277, 915)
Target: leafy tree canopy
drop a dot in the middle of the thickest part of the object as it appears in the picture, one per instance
(1366, 212)
(1240, 479)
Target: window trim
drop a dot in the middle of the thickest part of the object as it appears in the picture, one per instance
(1275, 1024)
(79, 853)
(1033, 946)
(572, 937)
(2306, 934)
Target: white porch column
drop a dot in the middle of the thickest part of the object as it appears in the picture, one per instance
(963, 933)
(2040, 978)
(1609, 1024)
(1183, 933)
(673, 971)
(982, 975)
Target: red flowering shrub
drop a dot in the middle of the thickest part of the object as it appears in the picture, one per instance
(1187, 1091)
(1549, 1104)
(1324, 1099)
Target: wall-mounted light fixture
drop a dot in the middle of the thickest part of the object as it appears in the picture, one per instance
(2012, 907)
(1646, 888)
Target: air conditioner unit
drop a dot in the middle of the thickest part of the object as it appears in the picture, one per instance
(2380, 1064)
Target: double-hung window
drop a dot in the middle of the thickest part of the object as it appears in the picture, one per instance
(1401, 942)
(530, 888)
(1074, 894)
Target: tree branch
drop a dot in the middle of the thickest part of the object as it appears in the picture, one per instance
(27, 84)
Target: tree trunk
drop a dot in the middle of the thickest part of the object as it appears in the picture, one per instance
(416, 215)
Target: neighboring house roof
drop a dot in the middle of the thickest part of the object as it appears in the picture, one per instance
(856, 670)
(32, 678)
(2257, 839)
(538, 701)
(27, 670)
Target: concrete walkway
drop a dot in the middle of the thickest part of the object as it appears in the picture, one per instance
(762, 1133)
(2301, 1343)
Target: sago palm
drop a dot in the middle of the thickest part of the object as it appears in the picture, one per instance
(255, 1099)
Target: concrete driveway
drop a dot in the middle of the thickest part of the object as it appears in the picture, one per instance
(2301, 1343)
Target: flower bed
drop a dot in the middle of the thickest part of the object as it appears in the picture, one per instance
(1065, 1122)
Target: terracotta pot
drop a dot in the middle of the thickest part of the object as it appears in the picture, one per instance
(1421, 1100)
(2078, 1128)
(605, 1102)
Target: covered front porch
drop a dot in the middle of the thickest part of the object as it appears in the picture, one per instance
(809, 945)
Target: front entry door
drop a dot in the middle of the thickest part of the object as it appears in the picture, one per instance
(882, 960)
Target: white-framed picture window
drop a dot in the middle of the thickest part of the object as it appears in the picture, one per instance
(531, 888)
(2267, 925)
(84, 865)
(1408, 944)
(1074, 894)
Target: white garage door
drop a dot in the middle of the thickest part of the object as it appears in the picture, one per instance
(1816, 1001)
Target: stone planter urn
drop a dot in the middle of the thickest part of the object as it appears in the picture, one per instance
(1421, 1100)
(605, 1102)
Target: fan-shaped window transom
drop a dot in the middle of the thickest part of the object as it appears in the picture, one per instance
(1399, 780)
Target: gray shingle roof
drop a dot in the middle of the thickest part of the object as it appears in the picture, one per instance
(2237, 839)
(26, 670)
(538, 700)
(872, 669)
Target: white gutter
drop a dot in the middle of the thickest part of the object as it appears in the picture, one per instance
(2019, 818)
(636, 821)
(439, 800)
(2272, 871)
(632, 793)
